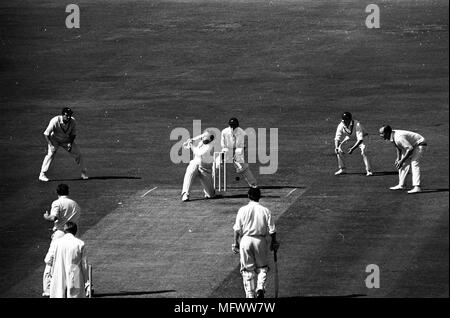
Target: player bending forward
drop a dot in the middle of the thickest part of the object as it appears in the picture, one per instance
(61, 132)
(200, 166)
(350, 130)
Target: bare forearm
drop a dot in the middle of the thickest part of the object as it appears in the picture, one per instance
(407, 154)
(399, 154)
(49, 217)
(49, 140)
(236, 238)
(356, 144)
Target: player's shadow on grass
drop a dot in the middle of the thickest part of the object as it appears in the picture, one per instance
(384, 173)
(432, 191)
(133, 293)
(375, 174)
(100, 178)
(269, 187)
(232, 196)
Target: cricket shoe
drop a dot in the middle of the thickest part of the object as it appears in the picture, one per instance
(339, 172)
(207, 196)
(84, 176)
(416, 189)
(185, 197)
(43, 178)
(260, 293)
(397, 187)
(369, 173)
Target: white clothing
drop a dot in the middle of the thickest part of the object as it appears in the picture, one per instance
(254, 219)
(60, 135)
(65, 210)
(254, 223)
(69, 272)
(59, 131)
(354, 132)
(233, 144)
(404, 140)
(200, 166)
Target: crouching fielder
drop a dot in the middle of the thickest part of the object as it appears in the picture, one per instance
(350, 130)
(254, 225)
(233, 143)
(200, 166)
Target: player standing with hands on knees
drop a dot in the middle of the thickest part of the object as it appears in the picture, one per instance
(233, 144)
(252, 229)
(61, 132)
(350, 130)
(410, 149)
(200, 166)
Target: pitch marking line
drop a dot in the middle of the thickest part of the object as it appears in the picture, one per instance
(148, 192)
(290, 192)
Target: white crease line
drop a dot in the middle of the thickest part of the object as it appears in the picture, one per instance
(148, 192)
(290, 192)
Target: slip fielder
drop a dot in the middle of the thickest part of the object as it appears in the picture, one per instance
(410, 149)
(350, 130)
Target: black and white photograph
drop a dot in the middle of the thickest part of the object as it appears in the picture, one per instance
(211, 152)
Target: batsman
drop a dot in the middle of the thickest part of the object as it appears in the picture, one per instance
(253, 230)
(201, 166)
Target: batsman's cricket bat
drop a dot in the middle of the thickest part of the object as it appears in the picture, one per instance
(90, 280)
(275, 277)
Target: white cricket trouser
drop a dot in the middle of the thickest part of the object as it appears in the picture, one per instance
(193, 171)
(248, 278)
(254, 251)
(362, 146)
(47, 277)
(261, 278)
(243, 170)
(74, 152)
(413, 163)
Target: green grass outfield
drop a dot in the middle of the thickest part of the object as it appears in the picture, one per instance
(136, 70)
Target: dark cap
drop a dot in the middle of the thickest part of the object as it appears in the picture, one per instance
(67, 111)
(346, 116)
(233, 122)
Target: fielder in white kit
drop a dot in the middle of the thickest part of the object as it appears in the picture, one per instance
(200, 166)
(410, 149)
(61, 132)
(350, 130)
(233, 143)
